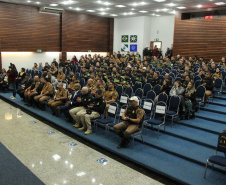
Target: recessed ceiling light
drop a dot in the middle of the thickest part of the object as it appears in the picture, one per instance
(181, 7)
(159, 0)
(173, 12)
(142, 3)
(107, 3)
(219, 3)
(67, 2)
(143, 11)
(157, 15)
(132, 9)
(70, 7)
(171, 4)
(114, 15)
(28, 1)
(101, 9)
(120, 6)
(99, 1)
(153, 14)
(134, 4)
(199, 6)
(107, 8)
(103, 13)
(157, 10)
(78, 9)
(37, 2)
(54, 4)
(90, 10)
(165, 9)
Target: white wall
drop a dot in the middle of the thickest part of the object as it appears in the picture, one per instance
(147, 28)
(162, 27)
(128, 26)
(70, 55)
(27, 59)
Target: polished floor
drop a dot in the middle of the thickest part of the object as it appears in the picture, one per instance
(56, 158)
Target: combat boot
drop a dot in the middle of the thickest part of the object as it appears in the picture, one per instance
(81, 129)
(76, 125)
(89, 130)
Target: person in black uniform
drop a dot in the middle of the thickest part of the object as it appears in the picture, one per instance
(132, 120)
(207, 82)
(155, 80)
(95, 109)
(139, 78)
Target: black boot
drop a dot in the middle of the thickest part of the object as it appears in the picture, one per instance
(121, 135)
(192, 115)
(124, 142)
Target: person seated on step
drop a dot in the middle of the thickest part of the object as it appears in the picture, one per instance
(110, 96)
(95, 109)
(71, 104)
(59, 99)
(132, 120)
(207, 82)
(24, 87)
(81, 106)
(46, 94)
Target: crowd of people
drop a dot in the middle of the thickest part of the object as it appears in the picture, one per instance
(82, 102)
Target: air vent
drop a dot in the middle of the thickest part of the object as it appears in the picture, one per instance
(51, 10)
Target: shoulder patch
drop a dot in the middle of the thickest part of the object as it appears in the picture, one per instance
(140, 112)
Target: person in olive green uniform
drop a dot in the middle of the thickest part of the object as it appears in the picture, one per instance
(46, 94)
(71, 86)
(127, 82)
(53, 70)
(118, 79)
(61, 76)
(99, 85)
(139, 78)
(132, 120)
(110, 96)
(59, 99)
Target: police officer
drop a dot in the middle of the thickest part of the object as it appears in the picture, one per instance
(139, 78)
(61, 76)
(99, 85)
(95, 109)
(132, 120)
(127, 82)
(71, 103)
(26, 86)
(46, 94)
(155, 80)
(71, 86)
(81, 105)
(53, 70)
(118, 79)
(59, 99)
(207, 82)
(110, 96)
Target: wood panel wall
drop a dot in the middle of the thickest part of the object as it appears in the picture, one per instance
(23, 28)
(204, 38)
(83, 32)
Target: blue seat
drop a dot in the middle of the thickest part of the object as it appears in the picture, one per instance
(167, 70)
(173, 109)
(111, 118)
(137, 86)
(159, 117)
(151, 95)
(198, 83)
(217, 159)
(129, 91)
(178, 79)
(139, 93)
(163, 97)
(200, 94)
(119, 89)
(156, 89)
(123, 99)
(147, 87)
(197, 78)
(82, 82)
(218, 86)
(147, 107)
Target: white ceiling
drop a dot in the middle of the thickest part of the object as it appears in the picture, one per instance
(107, 8)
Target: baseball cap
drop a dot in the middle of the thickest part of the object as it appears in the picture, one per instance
(144, 67)
(134, 98)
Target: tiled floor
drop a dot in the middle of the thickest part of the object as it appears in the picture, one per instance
(50, 156)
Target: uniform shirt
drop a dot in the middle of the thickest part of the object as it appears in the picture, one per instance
(134, 113)
(155, 81)
(99, 105)
(61, 77)
(72, 85)
(53, 69)
(127, 82)
(48, 87)
(139, 79)
(110, 94)
(94, 88)
(61, 93)
(35, 85)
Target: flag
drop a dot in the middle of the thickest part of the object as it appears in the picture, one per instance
(125, 38)
(133, 47)
(133, 38)
(125, 47)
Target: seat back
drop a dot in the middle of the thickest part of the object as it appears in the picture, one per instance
(147, 87)
(161, 77)
(112, 111)
(137, 86)
(221, 145)
(157, 89)
(167, 70)
(200, 92)
(160, 110)
(160, 70)
(124, 99)
(82, 82)
(119, 89)
(129, 91)
(198, 83)
(197, 78)
(218, 83)
(139, 93)
(178, 79)
(163, 97)
(148, 105)
(174, 103)
(151, 95)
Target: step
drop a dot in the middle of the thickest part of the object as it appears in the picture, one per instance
(214, 108)
(205, 125)
(216, 117)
